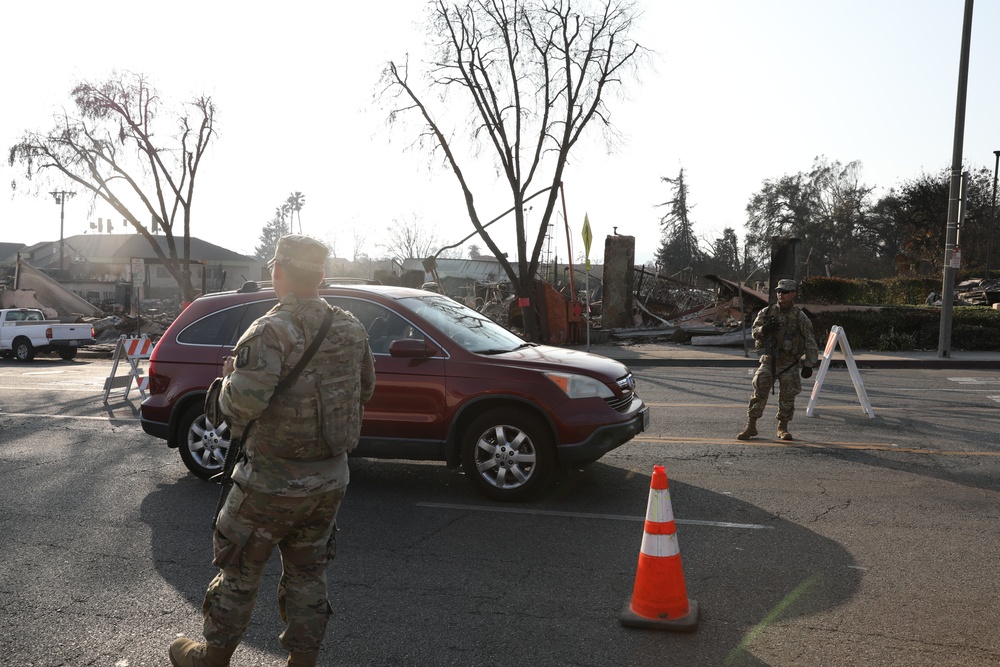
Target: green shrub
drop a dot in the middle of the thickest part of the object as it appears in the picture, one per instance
(867, 292)
(895, 342)
(896, 328)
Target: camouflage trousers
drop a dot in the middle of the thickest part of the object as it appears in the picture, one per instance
(249, 527)
(789, 386)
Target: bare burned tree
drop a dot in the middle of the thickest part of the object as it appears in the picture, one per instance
(535, 74)
(111, 148)
(408, 239)
(358, 240)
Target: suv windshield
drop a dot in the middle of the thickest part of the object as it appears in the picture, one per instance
(473, 331)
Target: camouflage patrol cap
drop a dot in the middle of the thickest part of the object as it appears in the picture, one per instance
(300, 252)
(786, 285)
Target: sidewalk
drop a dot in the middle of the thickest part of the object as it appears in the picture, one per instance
(679, 354)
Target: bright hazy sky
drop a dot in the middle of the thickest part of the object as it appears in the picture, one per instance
(740, 91)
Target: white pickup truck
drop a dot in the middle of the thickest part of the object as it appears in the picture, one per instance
(24, 332)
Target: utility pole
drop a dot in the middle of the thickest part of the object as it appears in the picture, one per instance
(993, 217)
(948, 283)
(60, 197)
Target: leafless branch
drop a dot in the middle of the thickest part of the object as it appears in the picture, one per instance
(535, 73)
(86, 150)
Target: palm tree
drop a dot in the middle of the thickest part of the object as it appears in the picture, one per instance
(279, 214)
(295, 202)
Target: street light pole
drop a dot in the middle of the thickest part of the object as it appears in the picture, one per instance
(993, 216)
(955, 191)
(60, 197)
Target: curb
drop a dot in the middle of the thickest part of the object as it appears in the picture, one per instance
(920, 364)
(743, 362)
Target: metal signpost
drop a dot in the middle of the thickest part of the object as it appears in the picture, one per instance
(138, 269)
(587, 238)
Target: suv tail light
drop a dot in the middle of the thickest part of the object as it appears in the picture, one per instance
(157, 384)
(48, 333)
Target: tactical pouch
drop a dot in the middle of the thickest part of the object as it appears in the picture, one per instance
(230, 535)
(213, 413)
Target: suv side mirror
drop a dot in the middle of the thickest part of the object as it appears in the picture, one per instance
(410, 348)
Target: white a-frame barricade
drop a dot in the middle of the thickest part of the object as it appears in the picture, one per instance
(837, 335)
(133, 350)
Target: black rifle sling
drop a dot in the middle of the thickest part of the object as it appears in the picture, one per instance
(307, 357)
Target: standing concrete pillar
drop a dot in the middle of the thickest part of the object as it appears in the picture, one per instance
(619, 260)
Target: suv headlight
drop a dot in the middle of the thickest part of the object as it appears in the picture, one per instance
(580, 386)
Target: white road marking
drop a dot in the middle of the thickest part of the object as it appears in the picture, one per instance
(975, 380)
(104, 418)
(585, 515)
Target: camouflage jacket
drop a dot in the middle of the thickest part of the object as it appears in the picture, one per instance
(793, 339)
(299, 442)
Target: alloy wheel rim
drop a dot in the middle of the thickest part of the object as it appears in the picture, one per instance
(505, 457)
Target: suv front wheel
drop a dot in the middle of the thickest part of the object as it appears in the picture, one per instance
(508, 454)
(203, 445)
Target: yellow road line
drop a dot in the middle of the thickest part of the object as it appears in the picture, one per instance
(872, 446)
(821, 407)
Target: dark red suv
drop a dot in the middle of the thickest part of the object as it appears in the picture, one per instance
(452, 386)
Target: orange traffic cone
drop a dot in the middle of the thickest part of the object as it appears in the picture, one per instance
(659, 599)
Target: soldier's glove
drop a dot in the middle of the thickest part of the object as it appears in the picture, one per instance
(213, 413)
(770, 326)
(807, 371)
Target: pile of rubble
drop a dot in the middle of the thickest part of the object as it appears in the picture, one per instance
(152, 320)
(978, 293)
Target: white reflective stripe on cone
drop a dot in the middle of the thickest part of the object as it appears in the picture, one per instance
(661, 546)
(659, 509)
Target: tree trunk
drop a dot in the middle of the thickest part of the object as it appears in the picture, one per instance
(532, 331)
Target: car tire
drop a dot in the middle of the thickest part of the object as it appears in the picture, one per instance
(67, 353)
(23, 350)
(202, 445)
(508, 454)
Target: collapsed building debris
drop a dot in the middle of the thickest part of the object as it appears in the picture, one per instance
(47, 294)
(27, 287)
(664, 307)
(977, 293)
(152, 321)
(645, 305)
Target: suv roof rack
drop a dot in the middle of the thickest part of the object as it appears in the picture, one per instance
(348, 280)
(258, 285)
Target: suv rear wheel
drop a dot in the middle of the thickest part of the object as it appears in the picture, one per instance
(203, 445)
(508, 454)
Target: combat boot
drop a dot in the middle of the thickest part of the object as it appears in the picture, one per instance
(185, 652)
(749, 431)
(783, 433)
(302, 659)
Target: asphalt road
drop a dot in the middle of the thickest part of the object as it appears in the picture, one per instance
(867, 541)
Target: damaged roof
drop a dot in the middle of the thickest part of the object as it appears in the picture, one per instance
(8, 252)
(122, 247)
(754, 299)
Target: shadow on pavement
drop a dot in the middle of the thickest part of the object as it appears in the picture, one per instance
(428, 572)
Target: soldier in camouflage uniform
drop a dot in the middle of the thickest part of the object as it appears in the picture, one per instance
(289, 486)
(785, 335)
